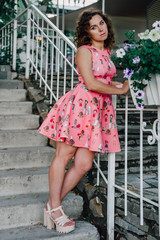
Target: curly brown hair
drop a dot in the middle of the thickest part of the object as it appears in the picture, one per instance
(81, 33)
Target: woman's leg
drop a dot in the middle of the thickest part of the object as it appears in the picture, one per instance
(63, 154)
(82, 164)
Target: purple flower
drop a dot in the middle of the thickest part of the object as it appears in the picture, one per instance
(140, 94)
(128, 45)
(139, 106)
(127, 73)
(136, 59)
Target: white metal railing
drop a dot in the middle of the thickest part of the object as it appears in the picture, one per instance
(47, 52)
(112, 186)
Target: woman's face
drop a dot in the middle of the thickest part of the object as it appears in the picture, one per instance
(98, 30)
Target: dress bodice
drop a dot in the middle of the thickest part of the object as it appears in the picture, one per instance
(102, 66)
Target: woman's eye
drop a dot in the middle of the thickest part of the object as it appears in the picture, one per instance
(102, 22)
(93, 28)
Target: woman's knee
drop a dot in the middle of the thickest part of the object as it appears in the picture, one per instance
(64, 153)
(83, 167)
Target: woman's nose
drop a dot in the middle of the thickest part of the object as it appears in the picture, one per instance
(100, 28)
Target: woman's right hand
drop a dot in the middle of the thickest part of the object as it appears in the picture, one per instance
(125, 87)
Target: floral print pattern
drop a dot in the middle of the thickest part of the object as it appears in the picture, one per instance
(84, 118)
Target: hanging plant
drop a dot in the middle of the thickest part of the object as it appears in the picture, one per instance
(140, 60)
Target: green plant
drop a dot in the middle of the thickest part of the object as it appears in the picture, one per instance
(139, 59)
(5, 56)
(7, 12)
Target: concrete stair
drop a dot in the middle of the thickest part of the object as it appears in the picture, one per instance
(25, 158)
(8, 108)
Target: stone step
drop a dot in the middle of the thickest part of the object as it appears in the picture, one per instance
(5, 75)
(15, 108)
(13, 95)
(83, 230)
(15, 158)
(11, 84)
(21, 138)
(27, 121)
(20, 181)
(27, 209)
(5, 68)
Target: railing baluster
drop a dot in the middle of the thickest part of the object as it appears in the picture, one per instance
(46, 66)
(41, 63)
(37, 47)
(33, 33)
(52, 62)
(65, 68)
(126, 154)
(141, 167)
(98, 173)
(14, 44)
(72, 75)
(28, 42)
(58, 65)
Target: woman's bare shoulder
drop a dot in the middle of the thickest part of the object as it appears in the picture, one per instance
(83, 51)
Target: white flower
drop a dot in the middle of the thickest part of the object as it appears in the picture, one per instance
(156, 25)
(144, 35)
(120, 53)
(154, 35)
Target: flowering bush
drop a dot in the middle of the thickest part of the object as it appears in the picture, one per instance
(139, 59)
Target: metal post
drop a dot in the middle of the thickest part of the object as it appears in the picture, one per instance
(63, 18)
(28, 42)
(159, 166)
(111, 189)
(103, 6)
(141, 167)
(111, 198)
(15, 40)
(57, 41)
(57, 19)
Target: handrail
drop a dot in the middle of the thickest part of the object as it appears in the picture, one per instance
(19, 15)
(54, 27)
(51, 45)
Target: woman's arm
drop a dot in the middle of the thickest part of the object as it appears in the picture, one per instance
(84, 63)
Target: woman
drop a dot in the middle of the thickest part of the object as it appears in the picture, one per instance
(83, 120)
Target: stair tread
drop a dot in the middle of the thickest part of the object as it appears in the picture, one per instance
(22, 149)
(19, 131)
(14, 102)
(34, 198)
(27, 115)
(83, 230)
(21, 172)
(10, 80)
(22, 199)
(15, 90)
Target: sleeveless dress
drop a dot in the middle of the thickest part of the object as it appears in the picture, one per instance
(84, 118)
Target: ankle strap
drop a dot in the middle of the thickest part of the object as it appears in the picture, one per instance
(54, 209)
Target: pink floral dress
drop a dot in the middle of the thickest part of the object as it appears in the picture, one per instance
(84, 118)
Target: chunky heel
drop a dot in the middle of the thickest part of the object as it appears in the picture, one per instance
(60, 222)
(45, 218)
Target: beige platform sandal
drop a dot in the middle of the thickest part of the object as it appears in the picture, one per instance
(49, 222)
